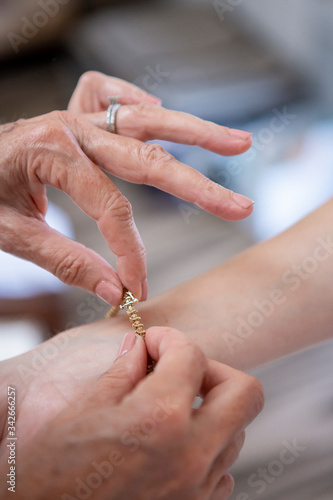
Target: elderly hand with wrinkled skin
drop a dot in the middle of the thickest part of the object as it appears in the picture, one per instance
(69, 149)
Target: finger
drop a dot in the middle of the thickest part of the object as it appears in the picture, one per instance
(69, 261)
(125, 373)
(98, 197)
(179, 372)
(147, 121)
(224, 489)
(232, 400)
(223, 463)
(149, 164)
(94, 88)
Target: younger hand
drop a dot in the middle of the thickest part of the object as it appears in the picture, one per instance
(133, 436)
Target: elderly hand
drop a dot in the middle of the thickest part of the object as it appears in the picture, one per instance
(68, 151)
(131, 436)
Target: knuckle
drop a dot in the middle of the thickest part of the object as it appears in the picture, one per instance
(143, 114)
(193, 355)
(117, 377)
(207, 190)
(70, 269)
(154, 153)
(55, 128)
(139, 251)
(12, 126)
(48, 129)
(62, 122)
(60, 115)
(154, 160)
(144, 109)
(178, 426)
(19, 122)
(88, 78)
(119, 207)
(252, 387)
(54, 131)
(229, 484)
(206, 184)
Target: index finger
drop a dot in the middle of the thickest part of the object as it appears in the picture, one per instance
(70, 170)
(232, 399)
(179, 372)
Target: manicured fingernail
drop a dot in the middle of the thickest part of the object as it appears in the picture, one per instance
(144, 289)
(109, 292)
(240, 134)
(127, 344)
(241, 200)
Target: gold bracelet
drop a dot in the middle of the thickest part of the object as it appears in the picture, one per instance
(133, 315)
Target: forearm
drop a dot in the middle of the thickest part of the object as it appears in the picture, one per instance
(269, 301)
(246, 312)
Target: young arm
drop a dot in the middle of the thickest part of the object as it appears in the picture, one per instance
(265, 303)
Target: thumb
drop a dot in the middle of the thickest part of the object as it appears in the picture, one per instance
(127, 370)
(68, 260)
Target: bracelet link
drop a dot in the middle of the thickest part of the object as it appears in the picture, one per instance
(133, 315)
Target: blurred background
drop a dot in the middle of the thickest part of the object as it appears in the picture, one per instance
(266, 67)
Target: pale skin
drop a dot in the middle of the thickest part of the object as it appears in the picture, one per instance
(277, 271)
(134, 436)
(73, 398)
(230, 290)
(69, 149)
(206, 308)
(288, 277)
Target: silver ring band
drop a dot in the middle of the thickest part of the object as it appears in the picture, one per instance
(111, 114)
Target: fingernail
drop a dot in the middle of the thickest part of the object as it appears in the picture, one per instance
(157, 100)
(127, 344)
(144, 288)
(242, 201)
(109, 292)
(240, 134)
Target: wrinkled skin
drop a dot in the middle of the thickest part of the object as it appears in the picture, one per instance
(69, 149)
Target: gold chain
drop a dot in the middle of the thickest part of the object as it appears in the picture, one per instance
(133, 315)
